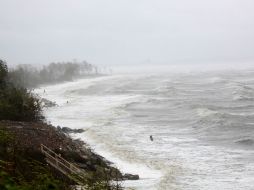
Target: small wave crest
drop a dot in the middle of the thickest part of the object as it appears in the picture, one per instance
(204, 112)
(208, 118)
(241, 92)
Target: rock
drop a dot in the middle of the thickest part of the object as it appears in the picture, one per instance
(130, 177)
(18, 126)
(69, 130)
(82, 165)
(48, 103)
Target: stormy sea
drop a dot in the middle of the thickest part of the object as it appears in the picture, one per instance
(202, 125)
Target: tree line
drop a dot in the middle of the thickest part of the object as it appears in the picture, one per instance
(30, 77)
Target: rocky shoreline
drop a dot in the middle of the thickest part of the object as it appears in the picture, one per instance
(30, 136)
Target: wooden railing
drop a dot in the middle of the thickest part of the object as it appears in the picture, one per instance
(62, 165)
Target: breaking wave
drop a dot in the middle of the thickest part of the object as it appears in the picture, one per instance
(202, 125)
(246, 142)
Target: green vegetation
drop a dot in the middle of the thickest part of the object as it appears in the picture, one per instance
(16, 103)
(19, 171)
(3, 74)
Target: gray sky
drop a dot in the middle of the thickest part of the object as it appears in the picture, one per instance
(127, 31)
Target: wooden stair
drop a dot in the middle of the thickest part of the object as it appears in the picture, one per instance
(62, 165)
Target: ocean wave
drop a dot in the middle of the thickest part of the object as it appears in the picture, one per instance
(156, 100)
(199, 108)
(165, 90)
(216, 79)
(245, 142)
(241, 91)
(216, 115)
(103, 87)
(243, 98)
(127, 105)
(222, 120)
(204, 112)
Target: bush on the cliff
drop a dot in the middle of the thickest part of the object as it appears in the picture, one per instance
(3, 74)
(16, 103)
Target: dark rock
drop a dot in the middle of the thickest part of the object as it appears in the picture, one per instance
(69, 130)
(130, 177)
(82, 165)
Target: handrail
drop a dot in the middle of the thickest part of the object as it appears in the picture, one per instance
(56, 155)
(60, 163)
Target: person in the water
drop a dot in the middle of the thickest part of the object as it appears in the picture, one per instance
(151, 137)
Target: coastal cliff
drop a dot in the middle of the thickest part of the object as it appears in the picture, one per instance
(23, 131)
(27, 138)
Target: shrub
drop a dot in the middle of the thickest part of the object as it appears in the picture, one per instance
(3, 74)
(18, 171)
(19, 105)
(16, 103)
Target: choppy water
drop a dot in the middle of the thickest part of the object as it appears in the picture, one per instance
(202, 124)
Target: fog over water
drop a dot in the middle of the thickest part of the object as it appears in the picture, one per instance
(202, 124)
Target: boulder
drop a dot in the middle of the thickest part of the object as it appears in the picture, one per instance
(69, 130)
(130, 177)
(47, 103)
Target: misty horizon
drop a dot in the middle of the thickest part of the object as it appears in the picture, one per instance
(127, 32)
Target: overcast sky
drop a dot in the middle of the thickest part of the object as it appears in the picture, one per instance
(127, 31)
